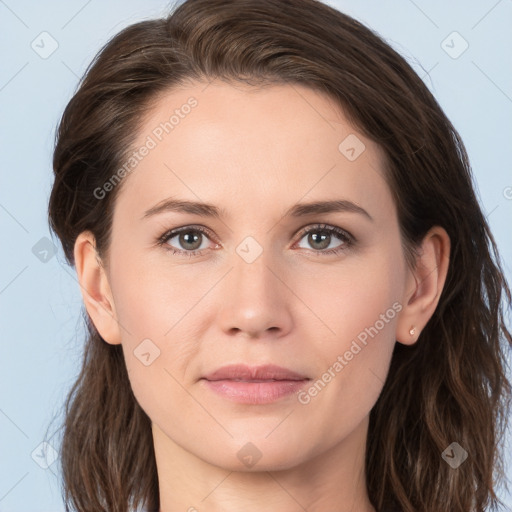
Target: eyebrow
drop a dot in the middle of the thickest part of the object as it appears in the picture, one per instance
(297, 210)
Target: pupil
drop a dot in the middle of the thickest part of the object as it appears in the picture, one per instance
(190, 238)
(314, 237)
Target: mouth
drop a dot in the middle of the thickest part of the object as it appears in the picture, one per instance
(256, 380)
(255, 385)
(245, 373)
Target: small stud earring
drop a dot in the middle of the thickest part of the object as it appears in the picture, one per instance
(412, 331)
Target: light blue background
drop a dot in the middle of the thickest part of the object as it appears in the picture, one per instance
(41, 328)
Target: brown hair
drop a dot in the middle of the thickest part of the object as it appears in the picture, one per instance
(449, 386)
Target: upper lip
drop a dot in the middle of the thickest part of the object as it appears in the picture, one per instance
(254, 373)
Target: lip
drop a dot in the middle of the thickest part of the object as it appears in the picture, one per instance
(251, 373)
(254, 384)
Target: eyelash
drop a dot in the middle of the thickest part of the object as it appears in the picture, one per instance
(347, 239)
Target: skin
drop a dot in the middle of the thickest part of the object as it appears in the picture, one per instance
(255, 153)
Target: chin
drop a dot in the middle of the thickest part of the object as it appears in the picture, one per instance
(258, 455)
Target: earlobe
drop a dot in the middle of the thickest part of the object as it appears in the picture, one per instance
(424, 285)
(95, 288)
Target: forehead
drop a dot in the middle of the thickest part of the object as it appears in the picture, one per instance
(243, 145)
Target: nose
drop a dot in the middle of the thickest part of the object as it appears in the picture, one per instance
(256, 300)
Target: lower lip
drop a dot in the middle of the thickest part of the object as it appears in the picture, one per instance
(255, 392)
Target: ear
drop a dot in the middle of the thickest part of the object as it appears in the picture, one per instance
(95, 288)
(424, 285)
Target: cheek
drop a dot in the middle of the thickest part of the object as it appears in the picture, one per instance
(363, 313)
(354, 367)
(352, 297)
(150, 298)
(159, 310)
(152, 310)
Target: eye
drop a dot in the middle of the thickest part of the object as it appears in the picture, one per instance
(320, 237)
(190, 240)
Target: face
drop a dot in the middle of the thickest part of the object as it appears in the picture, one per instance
(255, 279)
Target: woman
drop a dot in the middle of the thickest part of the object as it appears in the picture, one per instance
(294, 301)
